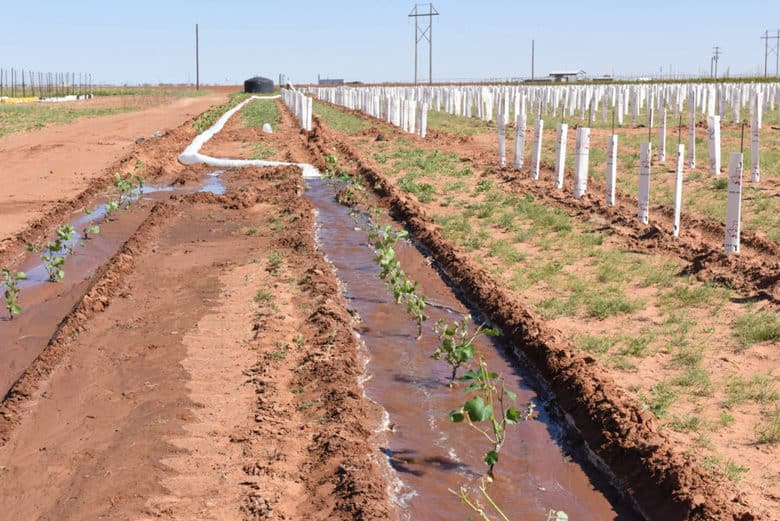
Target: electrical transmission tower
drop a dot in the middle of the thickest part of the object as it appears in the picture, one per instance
(770, 50)
(716, 52)
(423, 32)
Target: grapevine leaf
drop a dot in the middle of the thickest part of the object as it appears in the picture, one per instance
(512, 396)
(491, 458)
(464, 352)
(457, 416)
(513, 416)
(473, 387)
(477, 409)
(471, 374)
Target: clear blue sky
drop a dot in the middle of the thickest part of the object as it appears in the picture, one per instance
(371, 40)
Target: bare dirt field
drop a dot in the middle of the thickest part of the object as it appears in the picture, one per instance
(200, 359)
(174, 386)
(53, 164)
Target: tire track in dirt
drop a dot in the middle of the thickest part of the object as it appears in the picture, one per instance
(663, 482)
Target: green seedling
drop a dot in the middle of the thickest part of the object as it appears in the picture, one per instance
(124, 188)
(489, 404)
(90, 229)
(65, 236)
(11, 282)
(53, 254)
(111, 207)
(457, 343)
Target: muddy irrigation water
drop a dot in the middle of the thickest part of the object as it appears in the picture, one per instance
(539, 469)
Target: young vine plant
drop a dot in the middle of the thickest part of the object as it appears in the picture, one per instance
(90, 228)
(11, 283)
(457, 343)
(491, 406)
(490, 409)
(54, 253)
(404, 290)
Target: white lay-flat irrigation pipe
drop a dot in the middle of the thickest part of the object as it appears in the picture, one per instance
(192, 155)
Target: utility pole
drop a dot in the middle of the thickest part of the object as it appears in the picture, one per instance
(716, 52)
(423, 33)
(197, 60)
(769, 50)
(532, 59)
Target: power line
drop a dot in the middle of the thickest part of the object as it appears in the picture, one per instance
(423, 33)
(716, 52)
(769, 50)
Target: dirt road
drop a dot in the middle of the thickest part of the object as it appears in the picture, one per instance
(55, 163)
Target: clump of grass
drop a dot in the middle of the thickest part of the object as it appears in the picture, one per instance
(688, 356)
(263, 296)
(274, 261)
(693, 296)
(423, 191)
(637, 345)
(689, 423)
(596, 344)
(484, 185)
(503, 250)
(769, 430)
(554, 307)
(280, 351)
(657, 276)
(759, 388)
(726, 419)
(761, 326)
(662, 396)
(697, 380)
(604, 304)
(720, 183)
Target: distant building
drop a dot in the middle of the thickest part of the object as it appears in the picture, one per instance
(566, 75)
(330, 81)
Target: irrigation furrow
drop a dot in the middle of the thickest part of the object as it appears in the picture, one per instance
(664, 483)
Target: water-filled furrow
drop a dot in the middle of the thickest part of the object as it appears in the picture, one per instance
(45, 304)
(429, 453)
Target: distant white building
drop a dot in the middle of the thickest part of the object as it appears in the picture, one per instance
(567, 76)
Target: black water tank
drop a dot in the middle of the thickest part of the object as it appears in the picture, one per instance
(258, 84)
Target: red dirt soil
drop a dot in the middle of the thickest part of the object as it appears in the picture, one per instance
(48, 166)
(189, 411)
